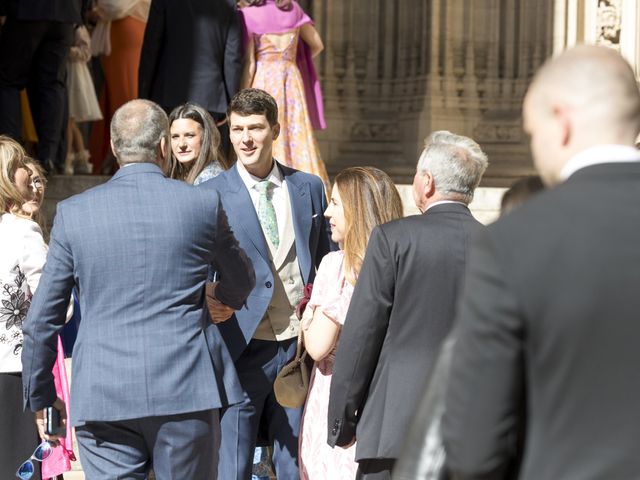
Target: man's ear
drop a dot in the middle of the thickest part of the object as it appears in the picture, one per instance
(276, 130)
(163, 155)
(429, 185)
(113, 149)
(562, 116)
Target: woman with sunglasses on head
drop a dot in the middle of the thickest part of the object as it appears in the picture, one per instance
(195, 145)
(361, 199)
(22, 256)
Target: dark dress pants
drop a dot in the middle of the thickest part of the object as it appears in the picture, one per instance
(18, 432)
(257, 369)
(177, 446)
(33, 55)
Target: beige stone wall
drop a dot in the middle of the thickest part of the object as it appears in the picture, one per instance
(395, 70)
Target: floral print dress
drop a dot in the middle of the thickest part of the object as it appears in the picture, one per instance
(278, 74)
(318, 461)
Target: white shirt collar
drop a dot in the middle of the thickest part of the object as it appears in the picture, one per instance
(442, 202)
(275, 176)
(597, 155)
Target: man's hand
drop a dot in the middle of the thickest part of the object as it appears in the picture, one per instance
(52, 439)
(219, 311)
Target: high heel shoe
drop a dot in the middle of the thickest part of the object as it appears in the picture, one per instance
(68, 163)
(81, 165)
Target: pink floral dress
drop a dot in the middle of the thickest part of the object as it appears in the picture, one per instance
(318, 461)
(278, 74)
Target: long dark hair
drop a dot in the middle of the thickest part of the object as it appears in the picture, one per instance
(209, 150)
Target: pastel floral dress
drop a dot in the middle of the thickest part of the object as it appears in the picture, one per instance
(278, 74)
(318, 461)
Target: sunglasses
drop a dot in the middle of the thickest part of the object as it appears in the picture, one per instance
(40, 453)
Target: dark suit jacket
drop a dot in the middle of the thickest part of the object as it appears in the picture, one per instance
(191, 52)
(139, 249)
(401, 310)
(551, 305)
(312, 240)
(65, 11)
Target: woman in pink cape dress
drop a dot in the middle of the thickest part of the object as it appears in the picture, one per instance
(280, 42)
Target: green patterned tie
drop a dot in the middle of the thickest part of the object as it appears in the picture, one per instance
(266, 212)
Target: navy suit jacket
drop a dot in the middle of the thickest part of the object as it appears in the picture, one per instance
(312, 240)
(139, 248)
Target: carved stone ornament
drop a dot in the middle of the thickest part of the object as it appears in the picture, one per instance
(497, 133)
(609, 23)
(385, 132)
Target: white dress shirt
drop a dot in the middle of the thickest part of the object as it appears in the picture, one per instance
(442, 202)
(597, 155)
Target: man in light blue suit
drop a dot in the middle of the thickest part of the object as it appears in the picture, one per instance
(150, 371)
(276, 213)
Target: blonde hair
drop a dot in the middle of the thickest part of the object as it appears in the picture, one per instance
(12, 157)
(369, 198)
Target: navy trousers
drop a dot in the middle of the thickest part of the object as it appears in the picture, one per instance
(257, 369)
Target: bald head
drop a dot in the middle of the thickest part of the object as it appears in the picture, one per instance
(584, 97)
(139, 131)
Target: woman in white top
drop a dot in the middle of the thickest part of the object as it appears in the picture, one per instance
(22, 256)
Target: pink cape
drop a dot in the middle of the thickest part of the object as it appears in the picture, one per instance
(268, 18)
(60, 459)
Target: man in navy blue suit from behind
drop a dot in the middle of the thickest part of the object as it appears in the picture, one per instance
(276, 214)
(150, 370)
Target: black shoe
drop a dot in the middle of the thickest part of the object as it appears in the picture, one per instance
(51, 168)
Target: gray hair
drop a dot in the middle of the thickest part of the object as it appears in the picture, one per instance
(137, 129)
(455, 162)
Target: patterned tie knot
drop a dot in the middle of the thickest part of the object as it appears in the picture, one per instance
(264, 187)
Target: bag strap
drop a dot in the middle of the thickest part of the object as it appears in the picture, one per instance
(300, 350)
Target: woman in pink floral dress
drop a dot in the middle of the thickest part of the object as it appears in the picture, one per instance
(361, 198)
(279, 46)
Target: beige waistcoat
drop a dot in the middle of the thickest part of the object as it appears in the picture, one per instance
(280, 321)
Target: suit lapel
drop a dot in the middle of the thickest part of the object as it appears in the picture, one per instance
(301, 211)
(237, 201)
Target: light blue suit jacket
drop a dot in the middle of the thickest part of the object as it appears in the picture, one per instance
(139, 248)
(312, 240)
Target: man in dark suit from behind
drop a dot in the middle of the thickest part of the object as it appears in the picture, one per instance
(550, 308)
(34, 44)
(192, 53)
(403, 306)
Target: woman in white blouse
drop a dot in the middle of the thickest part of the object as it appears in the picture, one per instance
(22, 256)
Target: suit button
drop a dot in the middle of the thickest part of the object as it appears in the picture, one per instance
(334, 431)
(336, 424)
(267, 284)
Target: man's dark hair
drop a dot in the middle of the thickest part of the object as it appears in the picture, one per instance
(253, 101)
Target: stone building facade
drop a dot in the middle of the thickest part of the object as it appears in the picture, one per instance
(395, 70)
